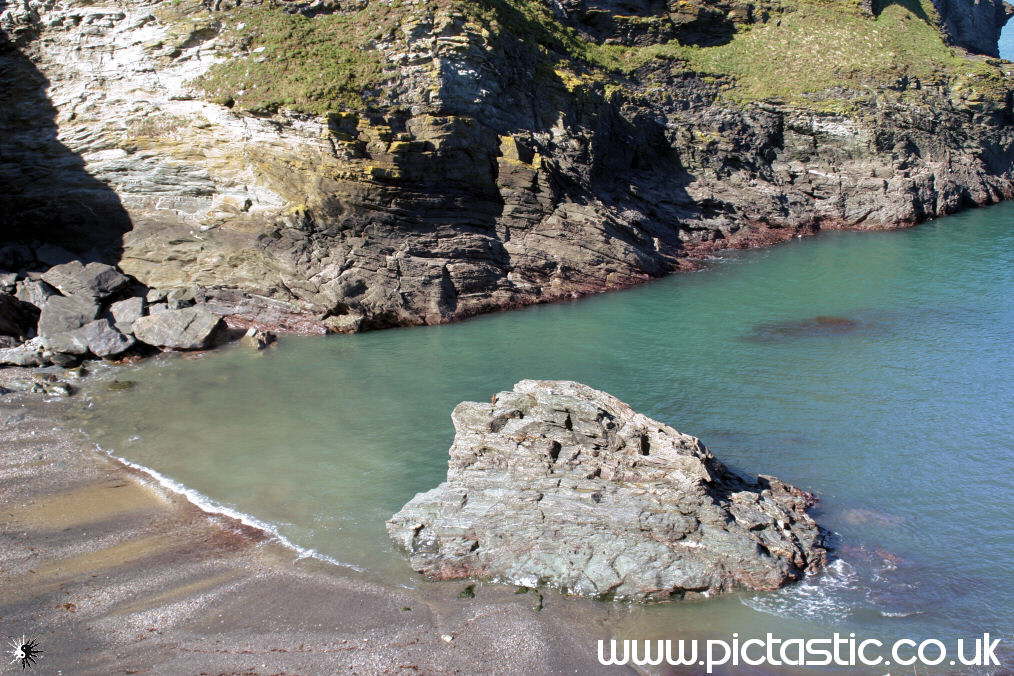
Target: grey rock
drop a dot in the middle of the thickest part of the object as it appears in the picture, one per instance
(8, 282)
(8, 342)
(156, 295)
(103, 340)
(33, 291)
(126, 312)
(180, 298)
(62, 314)
(158, 308)
(555, 483)
(17, 318)
(257, 339)
(187, 329)
(28, 354)
(98, 337)
(97, 280)
(67, 342)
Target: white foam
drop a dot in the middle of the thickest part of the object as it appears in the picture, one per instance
(208, 505)
(820, 597)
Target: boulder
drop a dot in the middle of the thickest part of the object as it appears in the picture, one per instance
(34, 291)
(257, 339)
(96, 280)
(29, 354)
(126, 312)
(98, 337)
(61, 314)
(555, 483)
(103, 340)
(17, 318)
(191, 328)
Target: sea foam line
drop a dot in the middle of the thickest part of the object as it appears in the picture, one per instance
(206, 504)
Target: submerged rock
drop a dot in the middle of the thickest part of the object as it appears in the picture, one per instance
(190, 328)
(558, 484)
(257, 339)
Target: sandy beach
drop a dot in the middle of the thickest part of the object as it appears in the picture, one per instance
(112, 574)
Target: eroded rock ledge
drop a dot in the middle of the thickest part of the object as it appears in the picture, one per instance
(557, 484)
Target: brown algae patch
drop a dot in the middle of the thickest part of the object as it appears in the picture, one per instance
(811, 327)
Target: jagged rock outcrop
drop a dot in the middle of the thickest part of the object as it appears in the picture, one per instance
(555, 483)
(494, 155)
(974, 25)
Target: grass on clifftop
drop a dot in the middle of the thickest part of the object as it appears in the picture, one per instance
(800, 56)
(817, 47)
(290, 60)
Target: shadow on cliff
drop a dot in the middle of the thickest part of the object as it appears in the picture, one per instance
(46, 194)
(914, 6)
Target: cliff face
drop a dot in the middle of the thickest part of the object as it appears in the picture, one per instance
(974, 25)
(381, 163)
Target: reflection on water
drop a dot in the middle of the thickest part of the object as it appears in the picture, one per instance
(882, 383)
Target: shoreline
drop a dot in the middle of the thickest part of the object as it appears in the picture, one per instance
(694, 258)
(113, 573)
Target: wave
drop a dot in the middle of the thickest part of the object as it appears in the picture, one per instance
(819, 597)
(206, 504)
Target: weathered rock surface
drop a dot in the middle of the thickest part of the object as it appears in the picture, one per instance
(555, 483)
(974, 25)
(96, 280)
(34, 291)
(61, 314)
(126, 312)
(27, 354)
(100, 339)
(476, 175)
(191, 328)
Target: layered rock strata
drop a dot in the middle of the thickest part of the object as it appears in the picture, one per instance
(472, 156)
(555, 483)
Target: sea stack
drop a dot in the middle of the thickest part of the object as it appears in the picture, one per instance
(557, 484)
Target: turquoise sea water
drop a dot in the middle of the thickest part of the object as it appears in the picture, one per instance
(900, 420)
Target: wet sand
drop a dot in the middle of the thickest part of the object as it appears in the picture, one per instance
(112, 574)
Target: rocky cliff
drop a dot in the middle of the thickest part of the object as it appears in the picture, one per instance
(350, 164)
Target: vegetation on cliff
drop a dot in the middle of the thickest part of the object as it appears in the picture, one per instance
(811, 53)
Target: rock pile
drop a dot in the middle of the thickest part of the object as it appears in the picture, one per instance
(557, 484)
(59, 314)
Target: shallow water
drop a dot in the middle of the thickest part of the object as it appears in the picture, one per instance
(871, 368)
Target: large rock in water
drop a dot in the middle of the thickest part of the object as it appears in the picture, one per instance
(558, 484)
(191, 328)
